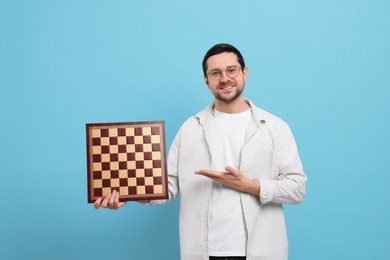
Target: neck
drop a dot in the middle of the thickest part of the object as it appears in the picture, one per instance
(236, 106)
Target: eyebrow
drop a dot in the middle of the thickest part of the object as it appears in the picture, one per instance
(225, 67)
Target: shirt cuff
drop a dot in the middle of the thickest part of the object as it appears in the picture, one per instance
(267, 189)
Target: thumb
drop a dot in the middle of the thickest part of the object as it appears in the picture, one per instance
(232, 170)
(121, 204)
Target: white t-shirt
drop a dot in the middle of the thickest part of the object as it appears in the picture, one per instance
(227, 231)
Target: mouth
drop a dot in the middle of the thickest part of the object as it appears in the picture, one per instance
(226, 87)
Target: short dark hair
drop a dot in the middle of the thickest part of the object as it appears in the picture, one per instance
(221, 48)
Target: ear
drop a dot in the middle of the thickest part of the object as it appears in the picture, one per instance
(245, 74)
(206, 80)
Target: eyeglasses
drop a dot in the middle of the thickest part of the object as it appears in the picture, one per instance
(231, 72)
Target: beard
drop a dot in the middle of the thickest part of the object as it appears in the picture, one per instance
(228, 99)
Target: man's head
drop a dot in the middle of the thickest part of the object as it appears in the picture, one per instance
(225, 73)
(221, 48)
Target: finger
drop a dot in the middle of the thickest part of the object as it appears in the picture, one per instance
(205, 174)
(105, 201)
(121, 204)
(232, 170)
(112, 200)
(208, 173)
(98, 203)
(116, 200)
(213, 175)
(199, 171)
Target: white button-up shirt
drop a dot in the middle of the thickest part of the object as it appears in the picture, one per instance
(269, 154)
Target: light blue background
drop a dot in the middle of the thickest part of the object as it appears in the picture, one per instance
(322, 66)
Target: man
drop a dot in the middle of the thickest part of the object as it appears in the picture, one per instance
(234, 165)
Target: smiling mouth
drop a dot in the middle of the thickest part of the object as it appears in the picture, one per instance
(226, 87)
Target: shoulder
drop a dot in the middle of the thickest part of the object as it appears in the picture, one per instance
(266, 117)
(190, 123)
(194, 122)
(199, 119)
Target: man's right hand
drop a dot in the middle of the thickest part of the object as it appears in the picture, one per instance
(111, 201)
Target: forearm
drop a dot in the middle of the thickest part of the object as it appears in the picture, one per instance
(251, 186)
(283, 190)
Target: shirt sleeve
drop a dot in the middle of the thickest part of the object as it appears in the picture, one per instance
(290, 185)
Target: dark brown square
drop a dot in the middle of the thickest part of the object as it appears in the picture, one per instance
(156, 164)
(98, 192)
(104, 132)
(97, 175)
(131, 173)
(97, 158)
(106, 183)
(155, 130)
(155, 147)
(139, 164)
(121, 131)
(114, 174)
(122, 165)
(106, 166)
(123, 182)
(147, 139)
(130, 139)
(113, 140)
(96, 141)
(149, 189)
(105, 149)
(122, 148)
(148, 172)
(138, 131)
(139, 148)
(131, 156)
(140, 181)
(114, 157)
(148, 156)
(157, 180)
(132, 190)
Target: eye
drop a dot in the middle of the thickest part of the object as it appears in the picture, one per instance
(215, 73)
(232, 70)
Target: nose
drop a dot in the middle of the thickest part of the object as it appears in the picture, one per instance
(224, 77)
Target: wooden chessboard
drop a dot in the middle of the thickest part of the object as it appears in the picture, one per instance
(129, 157)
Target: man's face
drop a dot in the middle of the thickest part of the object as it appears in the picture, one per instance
(225, 88)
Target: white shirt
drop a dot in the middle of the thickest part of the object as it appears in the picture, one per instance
(227, 231)
(269, 154)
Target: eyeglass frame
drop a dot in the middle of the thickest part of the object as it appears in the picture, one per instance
(239, 68)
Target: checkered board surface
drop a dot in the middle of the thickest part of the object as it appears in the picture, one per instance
(127, 157)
